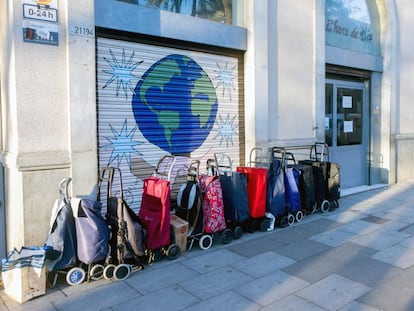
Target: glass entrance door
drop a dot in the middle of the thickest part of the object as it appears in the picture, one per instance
(346, 119)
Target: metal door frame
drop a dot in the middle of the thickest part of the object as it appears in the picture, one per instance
(364, 86)
(2, 215)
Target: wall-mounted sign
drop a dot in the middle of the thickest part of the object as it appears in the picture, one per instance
(40, 21)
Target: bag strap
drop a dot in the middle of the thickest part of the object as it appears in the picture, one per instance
(75, 203)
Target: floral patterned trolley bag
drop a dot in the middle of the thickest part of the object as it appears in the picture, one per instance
(213, 208)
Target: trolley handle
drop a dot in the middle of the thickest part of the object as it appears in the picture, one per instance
(256, 157)
(157, 172)
(319, 152)
(107, 175)
(289, 157)
(279, 153)
(223, 163)
(64, 189)
(194, 169)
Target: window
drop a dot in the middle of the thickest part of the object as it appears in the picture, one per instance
(215, 10)
(353, 25)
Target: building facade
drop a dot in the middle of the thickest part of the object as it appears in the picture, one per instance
(88, 84)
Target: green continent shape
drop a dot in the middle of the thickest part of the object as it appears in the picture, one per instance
(170, 121)
(199, 106)
(158, 77)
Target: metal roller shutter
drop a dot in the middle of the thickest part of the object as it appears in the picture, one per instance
(154, 101)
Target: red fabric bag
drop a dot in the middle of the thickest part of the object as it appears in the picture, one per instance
(256, 189)
(155, 212)
(213, 207)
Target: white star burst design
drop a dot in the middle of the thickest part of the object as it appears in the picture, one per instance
(121, 72)
(226, 129)
(225, 78)
(122, 144)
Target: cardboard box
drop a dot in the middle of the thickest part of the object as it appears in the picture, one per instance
(180, 229)
(24, 276)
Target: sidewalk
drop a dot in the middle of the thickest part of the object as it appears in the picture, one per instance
(358, 257)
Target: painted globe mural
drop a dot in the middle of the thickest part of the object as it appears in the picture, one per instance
(175, 104)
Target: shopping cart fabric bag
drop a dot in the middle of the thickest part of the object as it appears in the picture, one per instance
(24, 273)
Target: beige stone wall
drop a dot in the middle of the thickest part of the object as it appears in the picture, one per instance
(48, 118)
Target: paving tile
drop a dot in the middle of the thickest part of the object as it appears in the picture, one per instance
(214, 283)
(271, 288)
(375, 219)
(380, 239)
(171, 299)
(147, 281)
(334, 237)
(319, 225)
(396, 255)
(302, 249)
(345, 216)
(409, 229)
(293, 303)
(226, 301)
(39, 303)
(409, 242)
(357, 306)
(328, 262)
(360, 227)
(212, 260)
(292, 234)
(368, 271)
(392, 294)
(256, 246)
(333, 292)
(263, 264)
(98, 298)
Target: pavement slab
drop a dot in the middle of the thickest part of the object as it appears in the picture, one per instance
(293, 303)
(380, 239)
(303, 249)
(396, 255)
(256, 246)
(334, 237)
(271, 288)
(225, 301)
(172, 298)
(328, 262)
(212, 260)
(147, 281)
(263, 264)
(333, 292)
(98, 298)
(214, 283)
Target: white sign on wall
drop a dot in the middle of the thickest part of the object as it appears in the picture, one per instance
(40, 21)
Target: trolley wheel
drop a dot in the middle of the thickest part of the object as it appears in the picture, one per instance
(237, 232)
(315, 208)
(206, 241)
(157, 254)
(291, 219)
(173, 251)
(226, 236)
(108, 272)
(284, 222)
(122, 271)
(75, 276)
(299, 216)
(325, 206)
(264, 224)
(96, 272)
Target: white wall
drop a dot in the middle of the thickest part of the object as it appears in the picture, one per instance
(48, 118)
